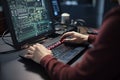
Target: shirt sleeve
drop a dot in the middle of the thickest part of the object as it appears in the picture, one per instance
(91, 38)
(58, 70)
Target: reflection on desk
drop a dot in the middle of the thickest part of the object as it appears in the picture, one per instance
(21, 69)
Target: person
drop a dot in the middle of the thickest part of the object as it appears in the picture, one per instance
(101, 62)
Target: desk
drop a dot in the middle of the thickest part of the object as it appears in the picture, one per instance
(15, 68)
(12, 67)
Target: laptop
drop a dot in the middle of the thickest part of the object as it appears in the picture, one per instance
(30, 21)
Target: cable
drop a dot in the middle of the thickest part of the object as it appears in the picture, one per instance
(10, 51)
(3, 35)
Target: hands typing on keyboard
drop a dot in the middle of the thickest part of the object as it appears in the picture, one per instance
(54, 46)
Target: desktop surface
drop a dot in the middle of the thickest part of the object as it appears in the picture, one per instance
(20, 69)
(12, 67)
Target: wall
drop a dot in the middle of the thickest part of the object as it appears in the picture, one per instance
(86, 12)
(91, 11)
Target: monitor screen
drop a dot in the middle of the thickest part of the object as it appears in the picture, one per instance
(28, 19)
(56, 11)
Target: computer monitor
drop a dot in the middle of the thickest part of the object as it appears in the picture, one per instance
(56, 9)
(28, 20)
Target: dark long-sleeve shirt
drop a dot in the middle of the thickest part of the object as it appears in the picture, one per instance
(102, 62)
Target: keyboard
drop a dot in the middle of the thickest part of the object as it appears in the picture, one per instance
(64, 53)
(50, 47)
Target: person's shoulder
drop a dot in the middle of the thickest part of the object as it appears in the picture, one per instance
(113, 12)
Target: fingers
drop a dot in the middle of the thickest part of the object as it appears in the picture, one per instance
(28, 56)
(67, 35)
(38, 46)
(72, 40)
(31, 48)
(30, 52)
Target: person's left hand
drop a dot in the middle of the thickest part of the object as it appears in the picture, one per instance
(37, 52)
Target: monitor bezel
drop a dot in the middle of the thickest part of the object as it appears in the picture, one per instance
(10, 26)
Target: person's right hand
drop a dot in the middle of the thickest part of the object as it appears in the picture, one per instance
(74, 37)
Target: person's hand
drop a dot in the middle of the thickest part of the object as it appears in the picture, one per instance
(37, 52)
(74, 37)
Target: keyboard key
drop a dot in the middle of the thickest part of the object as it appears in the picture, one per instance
(54, 45)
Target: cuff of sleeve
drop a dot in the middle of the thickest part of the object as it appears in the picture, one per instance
(46, 59)
(91, 38)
